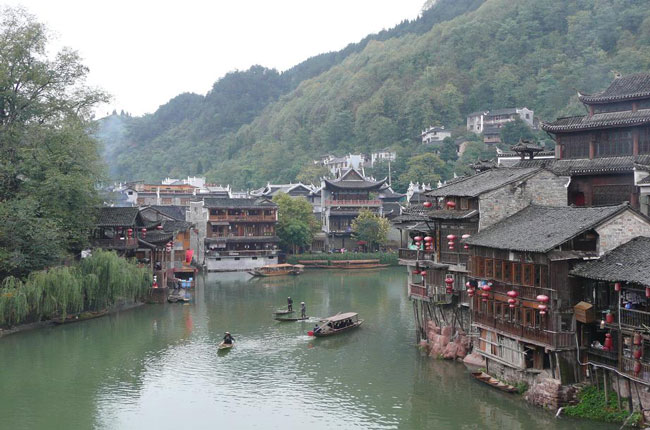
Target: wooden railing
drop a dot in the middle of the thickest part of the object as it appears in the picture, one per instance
(243, 217)
(553, 339)
(115, 243)
(602, 356)
(352, 202)
(632, 318)
(453, 258)
(414, 254)
(530, 293)
(418, 292)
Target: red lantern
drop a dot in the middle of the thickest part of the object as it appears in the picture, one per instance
(487, 288)
(428, 239)
(467, 284)
(129, 232)
(617, 286)
(451, 205)
(449, 281)
(466, 246)
(512, 302)
(513, 294)
(511, 306)
(159, 227)
(169, 246)
(637, 367)
(418, 244)
(144, 232)
(450, 243)
(609, 344)
(470, 292)
(418, 238)
(427, 204)
(484, 296)
(638, 353)
(647, 292)
(637, 339)
(609, 318)
(423, 273)
(542, 312)
(542, 298)
(451, 248)
(450, 290)
(465, 236)
(416, 272)
(451, 237)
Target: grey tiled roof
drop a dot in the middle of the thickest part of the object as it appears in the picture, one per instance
(585, 166)
(237, 203)
(598, 120)
(472, 186)
(542, 228)
(117, 216)
(629, 262)
(624, 88)
(176, 212)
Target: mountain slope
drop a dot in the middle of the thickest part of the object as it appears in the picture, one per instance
(501, 54)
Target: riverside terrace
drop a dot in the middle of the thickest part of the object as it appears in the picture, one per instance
(524, 312)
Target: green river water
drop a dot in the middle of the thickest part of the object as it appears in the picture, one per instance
(156, 367)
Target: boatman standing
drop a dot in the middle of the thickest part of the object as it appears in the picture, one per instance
(228, 339)
(303, 310)
(289, 304)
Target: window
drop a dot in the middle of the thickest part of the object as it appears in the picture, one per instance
(489, 268)
(507, 272)
(480, 267)
(464, 203)
(576, 145)
(544, 277)
(516, 273)
(498, 270)
(529, 317)
(644, 140)
(613, 107)
(613, 142)
(538, 275)
(528, 274)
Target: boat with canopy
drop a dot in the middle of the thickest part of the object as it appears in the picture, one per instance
(336, 324)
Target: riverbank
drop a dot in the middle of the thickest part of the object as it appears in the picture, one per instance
(389, 258)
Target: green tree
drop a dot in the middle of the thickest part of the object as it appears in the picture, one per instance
(49, 165)
(296, 222)
(371, 228)
(425, 168)
(515, 130)
(449, 150)
(312, 173)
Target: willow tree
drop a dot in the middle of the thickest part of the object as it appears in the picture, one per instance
(49, 164)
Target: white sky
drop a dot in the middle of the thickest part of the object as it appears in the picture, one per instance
(146, 52)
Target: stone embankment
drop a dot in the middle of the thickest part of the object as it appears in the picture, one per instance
(446, 342)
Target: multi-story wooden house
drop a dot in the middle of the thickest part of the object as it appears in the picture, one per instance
(613, 316)
(523, 301)
(342, 199)
(239, 234)
(607, 151)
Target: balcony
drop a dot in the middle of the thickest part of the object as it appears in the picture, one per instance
(414, 254)
(418, 292)
(534, 335)
(526, 293)
(602, 356)
(243, 218)
(242, 253)
(634, 319)
(454, 258)
(352, 203)
(131, 243)
(627, 366)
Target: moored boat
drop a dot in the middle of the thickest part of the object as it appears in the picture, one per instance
(337, 324)
(493, 382)
(289, 319)
(282, 312)
(83, 316)
(223, 346)
(278, 270)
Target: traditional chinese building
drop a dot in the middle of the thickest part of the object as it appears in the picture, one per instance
(607, 151)
(523, 306)
(613, 315)
(238, 234)
(342, 199)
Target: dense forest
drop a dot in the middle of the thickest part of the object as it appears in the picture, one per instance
(459, 56)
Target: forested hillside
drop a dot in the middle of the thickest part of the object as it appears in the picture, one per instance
(504, 53)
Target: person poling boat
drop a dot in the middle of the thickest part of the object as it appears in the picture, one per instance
(289, 304)
(303, 310)
(228, 339)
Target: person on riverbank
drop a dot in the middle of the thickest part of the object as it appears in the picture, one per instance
(303, 310)
(289, 304)
(228, 339)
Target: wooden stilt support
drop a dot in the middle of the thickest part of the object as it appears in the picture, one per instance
(618, 389)
(605, 386)
(630, 405)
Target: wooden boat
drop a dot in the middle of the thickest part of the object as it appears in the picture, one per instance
(343, 264)
(178, 296)
(224, 347)
(493, 382)
(282, 312)
(289, 319)
(337, 324)
(278, 270)
(84, 316)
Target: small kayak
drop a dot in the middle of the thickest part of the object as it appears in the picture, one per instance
(225, 346)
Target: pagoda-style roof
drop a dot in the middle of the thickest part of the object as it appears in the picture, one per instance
(483, 165)
(117, 216)
(170, 211)
(598, 121)
(629, 262)
(542, 228)
(630, 87)
(351, 179)
(526, 146)
(475, 185)
(583, 166)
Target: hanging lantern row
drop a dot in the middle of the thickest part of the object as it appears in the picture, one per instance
(129, 233)
(169, 246)
(609, 343)
(451, 238)
(450, 285)
(637, 340)
(144, 233)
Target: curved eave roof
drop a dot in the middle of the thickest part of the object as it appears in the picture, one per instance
(354, 185)
(629, 87)
(598, 121)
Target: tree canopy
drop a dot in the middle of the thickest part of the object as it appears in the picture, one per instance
(296, 222)
(370, 228)
(49, 166)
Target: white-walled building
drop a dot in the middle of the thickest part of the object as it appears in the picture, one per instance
(434, 135)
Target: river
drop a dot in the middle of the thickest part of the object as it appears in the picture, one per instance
(156, 367)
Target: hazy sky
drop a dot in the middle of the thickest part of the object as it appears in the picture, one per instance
(146, 52)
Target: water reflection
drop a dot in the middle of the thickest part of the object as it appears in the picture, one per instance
(157, 366)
